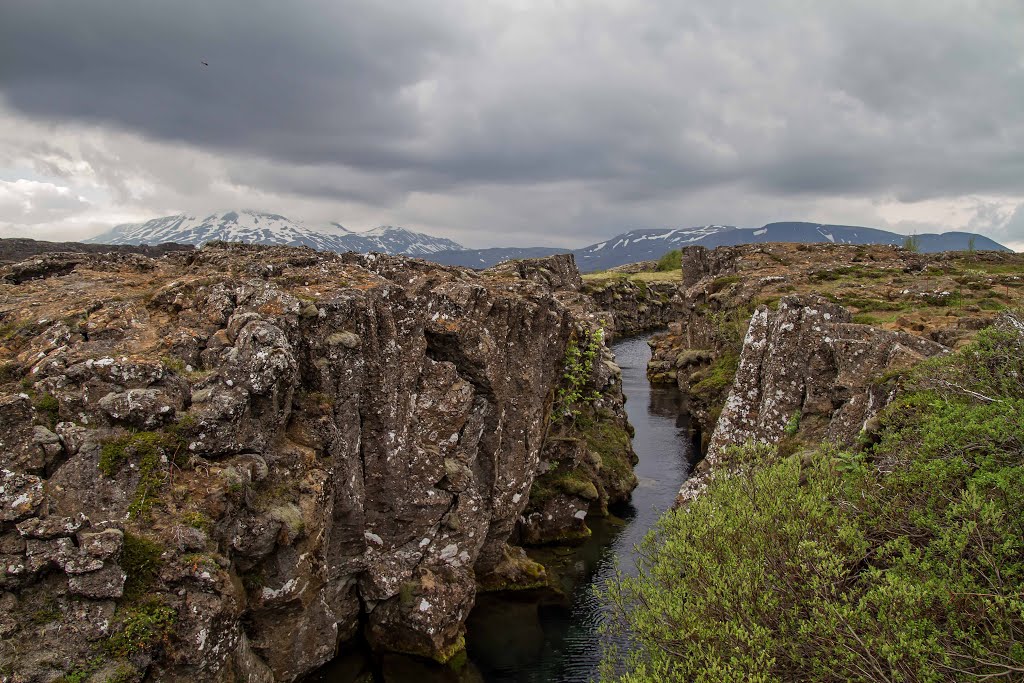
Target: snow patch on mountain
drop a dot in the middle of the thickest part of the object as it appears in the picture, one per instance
(255, 227)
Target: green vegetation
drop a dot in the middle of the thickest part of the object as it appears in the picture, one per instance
(47, 613)
(612, 443)
(902, 561)
(150, 449)
(123, 674)
(197, 520)
(140, 560)
(581, 353)
(848, 272)
(142, 628)
(723, 281)
(718, 377)
(912, 243)
(48, 408)
(83, 672)
(564, 478)
(671, 262)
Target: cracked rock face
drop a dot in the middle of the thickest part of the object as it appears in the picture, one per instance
(807, 362)
(310, 441)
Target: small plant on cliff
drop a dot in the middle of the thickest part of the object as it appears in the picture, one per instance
(580, 355)
(48, 408)
(140, 559)
(151, 450)
(142, 628)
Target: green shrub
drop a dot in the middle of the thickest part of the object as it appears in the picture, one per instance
(673, 260)
(581, 352)
(901, 563)
(48, 407)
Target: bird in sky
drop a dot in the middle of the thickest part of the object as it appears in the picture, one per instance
(204, 63)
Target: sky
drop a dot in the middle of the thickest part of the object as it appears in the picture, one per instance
(514, 122)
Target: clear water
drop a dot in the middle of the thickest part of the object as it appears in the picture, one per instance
(545, 636)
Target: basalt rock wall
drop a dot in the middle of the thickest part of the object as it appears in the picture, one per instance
(222, 464)
(630, 307)
(807, 373)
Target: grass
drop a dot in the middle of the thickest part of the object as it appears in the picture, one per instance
(720, 283)
(650, 276)
(719, 377)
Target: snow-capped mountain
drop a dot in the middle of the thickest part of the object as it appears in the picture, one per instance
(395, 240)
(636, 245)
(254, 227)
(644, 245)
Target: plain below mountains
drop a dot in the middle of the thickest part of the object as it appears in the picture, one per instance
(636, 245)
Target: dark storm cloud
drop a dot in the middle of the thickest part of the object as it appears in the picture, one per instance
(300, 81)
(622, 103)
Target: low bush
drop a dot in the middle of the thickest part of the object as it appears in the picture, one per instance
(671, 261)
(901, 562)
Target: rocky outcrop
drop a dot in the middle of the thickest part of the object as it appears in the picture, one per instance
(806, 372)
(631, 306)
(586, 463)
(17, 249)
(944, 297)
(219, 465)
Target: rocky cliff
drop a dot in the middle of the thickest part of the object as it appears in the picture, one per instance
(807, 374)
(791, 345)
(16, 249)
(632, 306)
(944, 297)
(223, 464)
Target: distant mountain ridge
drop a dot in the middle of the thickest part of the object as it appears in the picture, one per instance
(254, 227)
(643, 245)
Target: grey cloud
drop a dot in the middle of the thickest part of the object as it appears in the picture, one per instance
(606, 113)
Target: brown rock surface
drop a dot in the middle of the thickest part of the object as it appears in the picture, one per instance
(290, 441)
(944, 297)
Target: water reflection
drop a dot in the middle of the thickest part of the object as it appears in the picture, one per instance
(527, 638)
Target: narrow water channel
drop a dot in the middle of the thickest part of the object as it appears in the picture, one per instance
(525, 639)
(542, 636)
